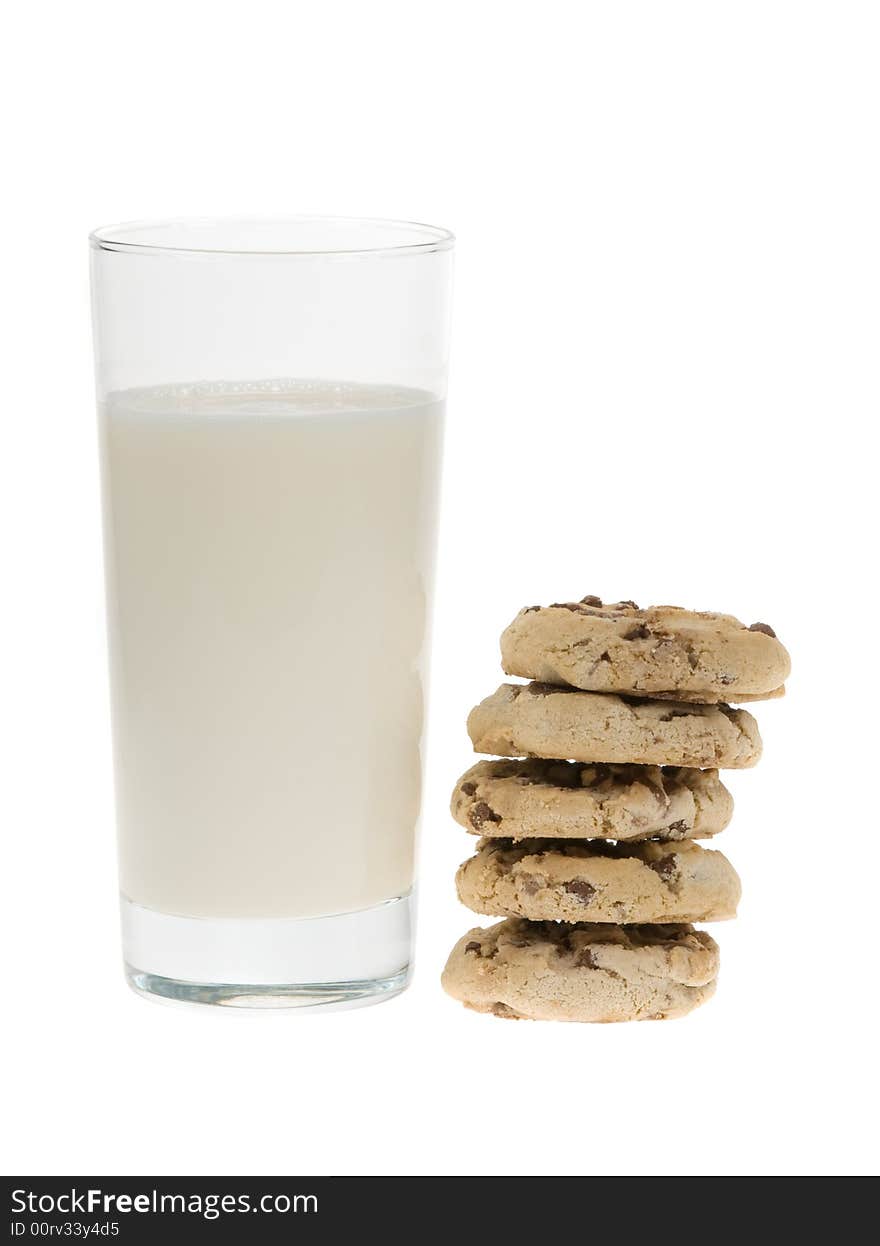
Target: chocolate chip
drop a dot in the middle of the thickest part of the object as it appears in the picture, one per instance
(531, 883)
(468, 788)
(573, 606)
(591, 776)
(591, 601)
(666, 867)
(538, 689)
(581, 888)
(763, 627)
(680, 825)
(587, 959)
(531, 609)
(481, 813)
(632, 605)
(473, 946)
(637, 633)
(563, 774)
(562, 939)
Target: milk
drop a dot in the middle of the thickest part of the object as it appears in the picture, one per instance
(269, 554)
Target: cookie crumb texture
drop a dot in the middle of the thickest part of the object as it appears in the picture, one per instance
(531, 798)
(551, 880)
(620, 647)
(543, 720)
(544, 971)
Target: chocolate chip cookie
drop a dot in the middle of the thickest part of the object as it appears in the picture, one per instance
(585, 972)
(562, 799)
(543, 720)
(556, 880)
(692, 655)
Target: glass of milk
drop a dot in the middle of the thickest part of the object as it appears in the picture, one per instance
(271, 401)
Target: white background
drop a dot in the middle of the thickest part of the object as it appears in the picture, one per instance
(664, 384)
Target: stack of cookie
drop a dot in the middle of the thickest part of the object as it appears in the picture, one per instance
(588, 836)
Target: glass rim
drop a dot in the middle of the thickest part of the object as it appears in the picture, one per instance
(428, 238)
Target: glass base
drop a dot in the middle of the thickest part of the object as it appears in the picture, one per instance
(328, 996)
(348, 960)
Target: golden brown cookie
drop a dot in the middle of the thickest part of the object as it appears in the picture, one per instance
(533, 797)
(547, 971)
(557, 880)
(620, 647)
(543, 720)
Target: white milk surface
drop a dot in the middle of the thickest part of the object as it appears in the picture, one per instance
(269, 551)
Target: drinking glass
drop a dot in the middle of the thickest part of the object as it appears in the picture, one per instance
(271, 397)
